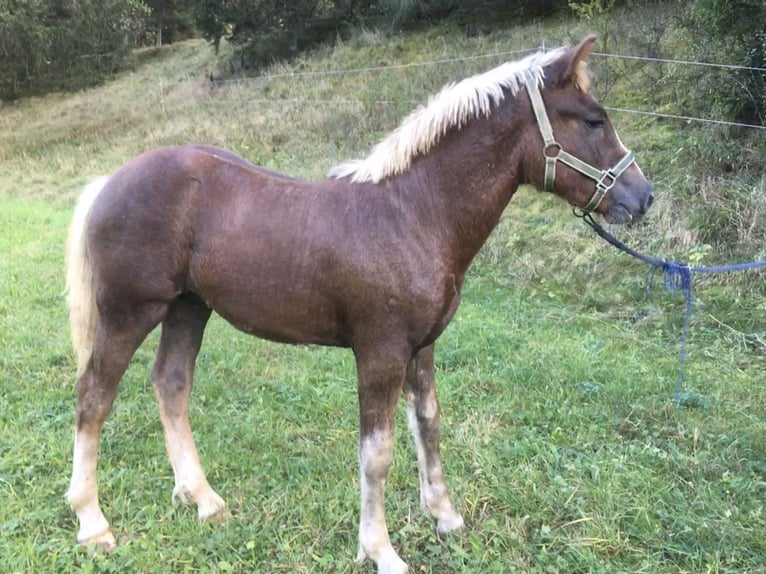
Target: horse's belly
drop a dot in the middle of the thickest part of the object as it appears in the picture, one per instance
(285, 320)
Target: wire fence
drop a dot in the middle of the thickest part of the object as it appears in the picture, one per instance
(682, 62)
(348, 71)
(493, 55)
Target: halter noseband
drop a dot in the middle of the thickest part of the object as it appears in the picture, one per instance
(605, 179)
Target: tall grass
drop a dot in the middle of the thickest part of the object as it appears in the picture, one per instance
(561, 443)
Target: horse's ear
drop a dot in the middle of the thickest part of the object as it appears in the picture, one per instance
(582, 50)
(572, 65)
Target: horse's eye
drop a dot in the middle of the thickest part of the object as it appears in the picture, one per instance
(594, 124)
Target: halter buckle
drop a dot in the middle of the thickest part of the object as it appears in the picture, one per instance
(607, 181)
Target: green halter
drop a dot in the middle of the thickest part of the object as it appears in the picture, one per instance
(605, 179)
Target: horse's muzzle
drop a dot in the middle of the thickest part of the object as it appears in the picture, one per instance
(629, 201)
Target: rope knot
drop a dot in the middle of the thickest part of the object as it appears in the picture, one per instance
(677, 276)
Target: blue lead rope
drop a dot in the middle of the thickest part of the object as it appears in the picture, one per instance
(677, 276)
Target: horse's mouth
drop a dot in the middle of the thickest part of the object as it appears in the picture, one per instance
(619, 214)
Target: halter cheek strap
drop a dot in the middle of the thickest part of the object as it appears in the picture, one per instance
(605, 179)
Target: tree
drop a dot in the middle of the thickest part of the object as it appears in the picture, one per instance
(169, 21)
(64, 44)
(265, 30)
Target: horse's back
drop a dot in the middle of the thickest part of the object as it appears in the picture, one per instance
(201, 220)
(167, 186)
(231, 157)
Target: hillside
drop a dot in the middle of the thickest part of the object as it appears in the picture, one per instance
(561, 441)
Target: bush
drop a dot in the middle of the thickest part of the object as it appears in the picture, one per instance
(269, 30)
(61, 45)
(731, 32)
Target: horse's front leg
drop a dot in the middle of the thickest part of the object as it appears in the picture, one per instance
(380, 376)
(423, 421)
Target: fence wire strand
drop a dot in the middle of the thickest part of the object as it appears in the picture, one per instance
(683, 62)
(372, 69)
(349, 71)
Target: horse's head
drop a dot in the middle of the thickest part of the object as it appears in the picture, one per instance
(579, 156)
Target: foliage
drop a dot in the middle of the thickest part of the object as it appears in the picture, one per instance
(168, 21)
(592, 8)
(64, 44)
(268, 30)
(49, 45)
(661, 33)
(731, 32)
(470, 16)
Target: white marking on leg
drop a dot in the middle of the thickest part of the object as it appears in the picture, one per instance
(375, 455)
(83, 492)
(191, 485)
(434, 496)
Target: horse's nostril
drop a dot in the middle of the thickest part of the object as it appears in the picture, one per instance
(650, 201)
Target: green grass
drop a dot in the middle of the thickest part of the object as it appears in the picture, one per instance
(561, 443)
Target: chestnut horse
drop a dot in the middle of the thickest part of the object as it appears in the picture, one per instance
(372, 258)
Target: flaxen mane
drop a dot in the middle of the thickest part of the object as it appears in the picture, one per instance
(453, 106)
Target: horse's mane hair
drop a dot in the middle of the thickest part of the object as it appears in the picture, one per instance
(453, 106)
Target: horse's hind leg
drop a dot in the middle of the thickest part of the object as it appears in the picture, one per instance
(114, 345)
(423, 421)
(172, 377)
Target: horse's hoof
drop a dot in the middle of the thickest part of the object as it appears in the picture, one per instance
(104, 539)
(394, 565)
(450, 524)
(212, 508)
(389, 564)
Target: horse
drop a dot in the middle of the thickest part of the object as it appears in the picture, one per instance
(372, 258)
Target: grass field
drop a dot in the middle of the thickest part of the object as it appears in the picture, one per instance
(561, 442)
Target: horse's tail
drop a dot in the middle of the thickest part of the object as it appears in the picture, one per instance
(81, 298)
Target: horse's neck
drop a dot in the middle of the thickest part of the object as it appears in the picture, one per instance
(471, 182)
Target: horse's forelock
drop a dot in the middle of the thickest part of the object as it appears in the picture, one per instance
(581, 77)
